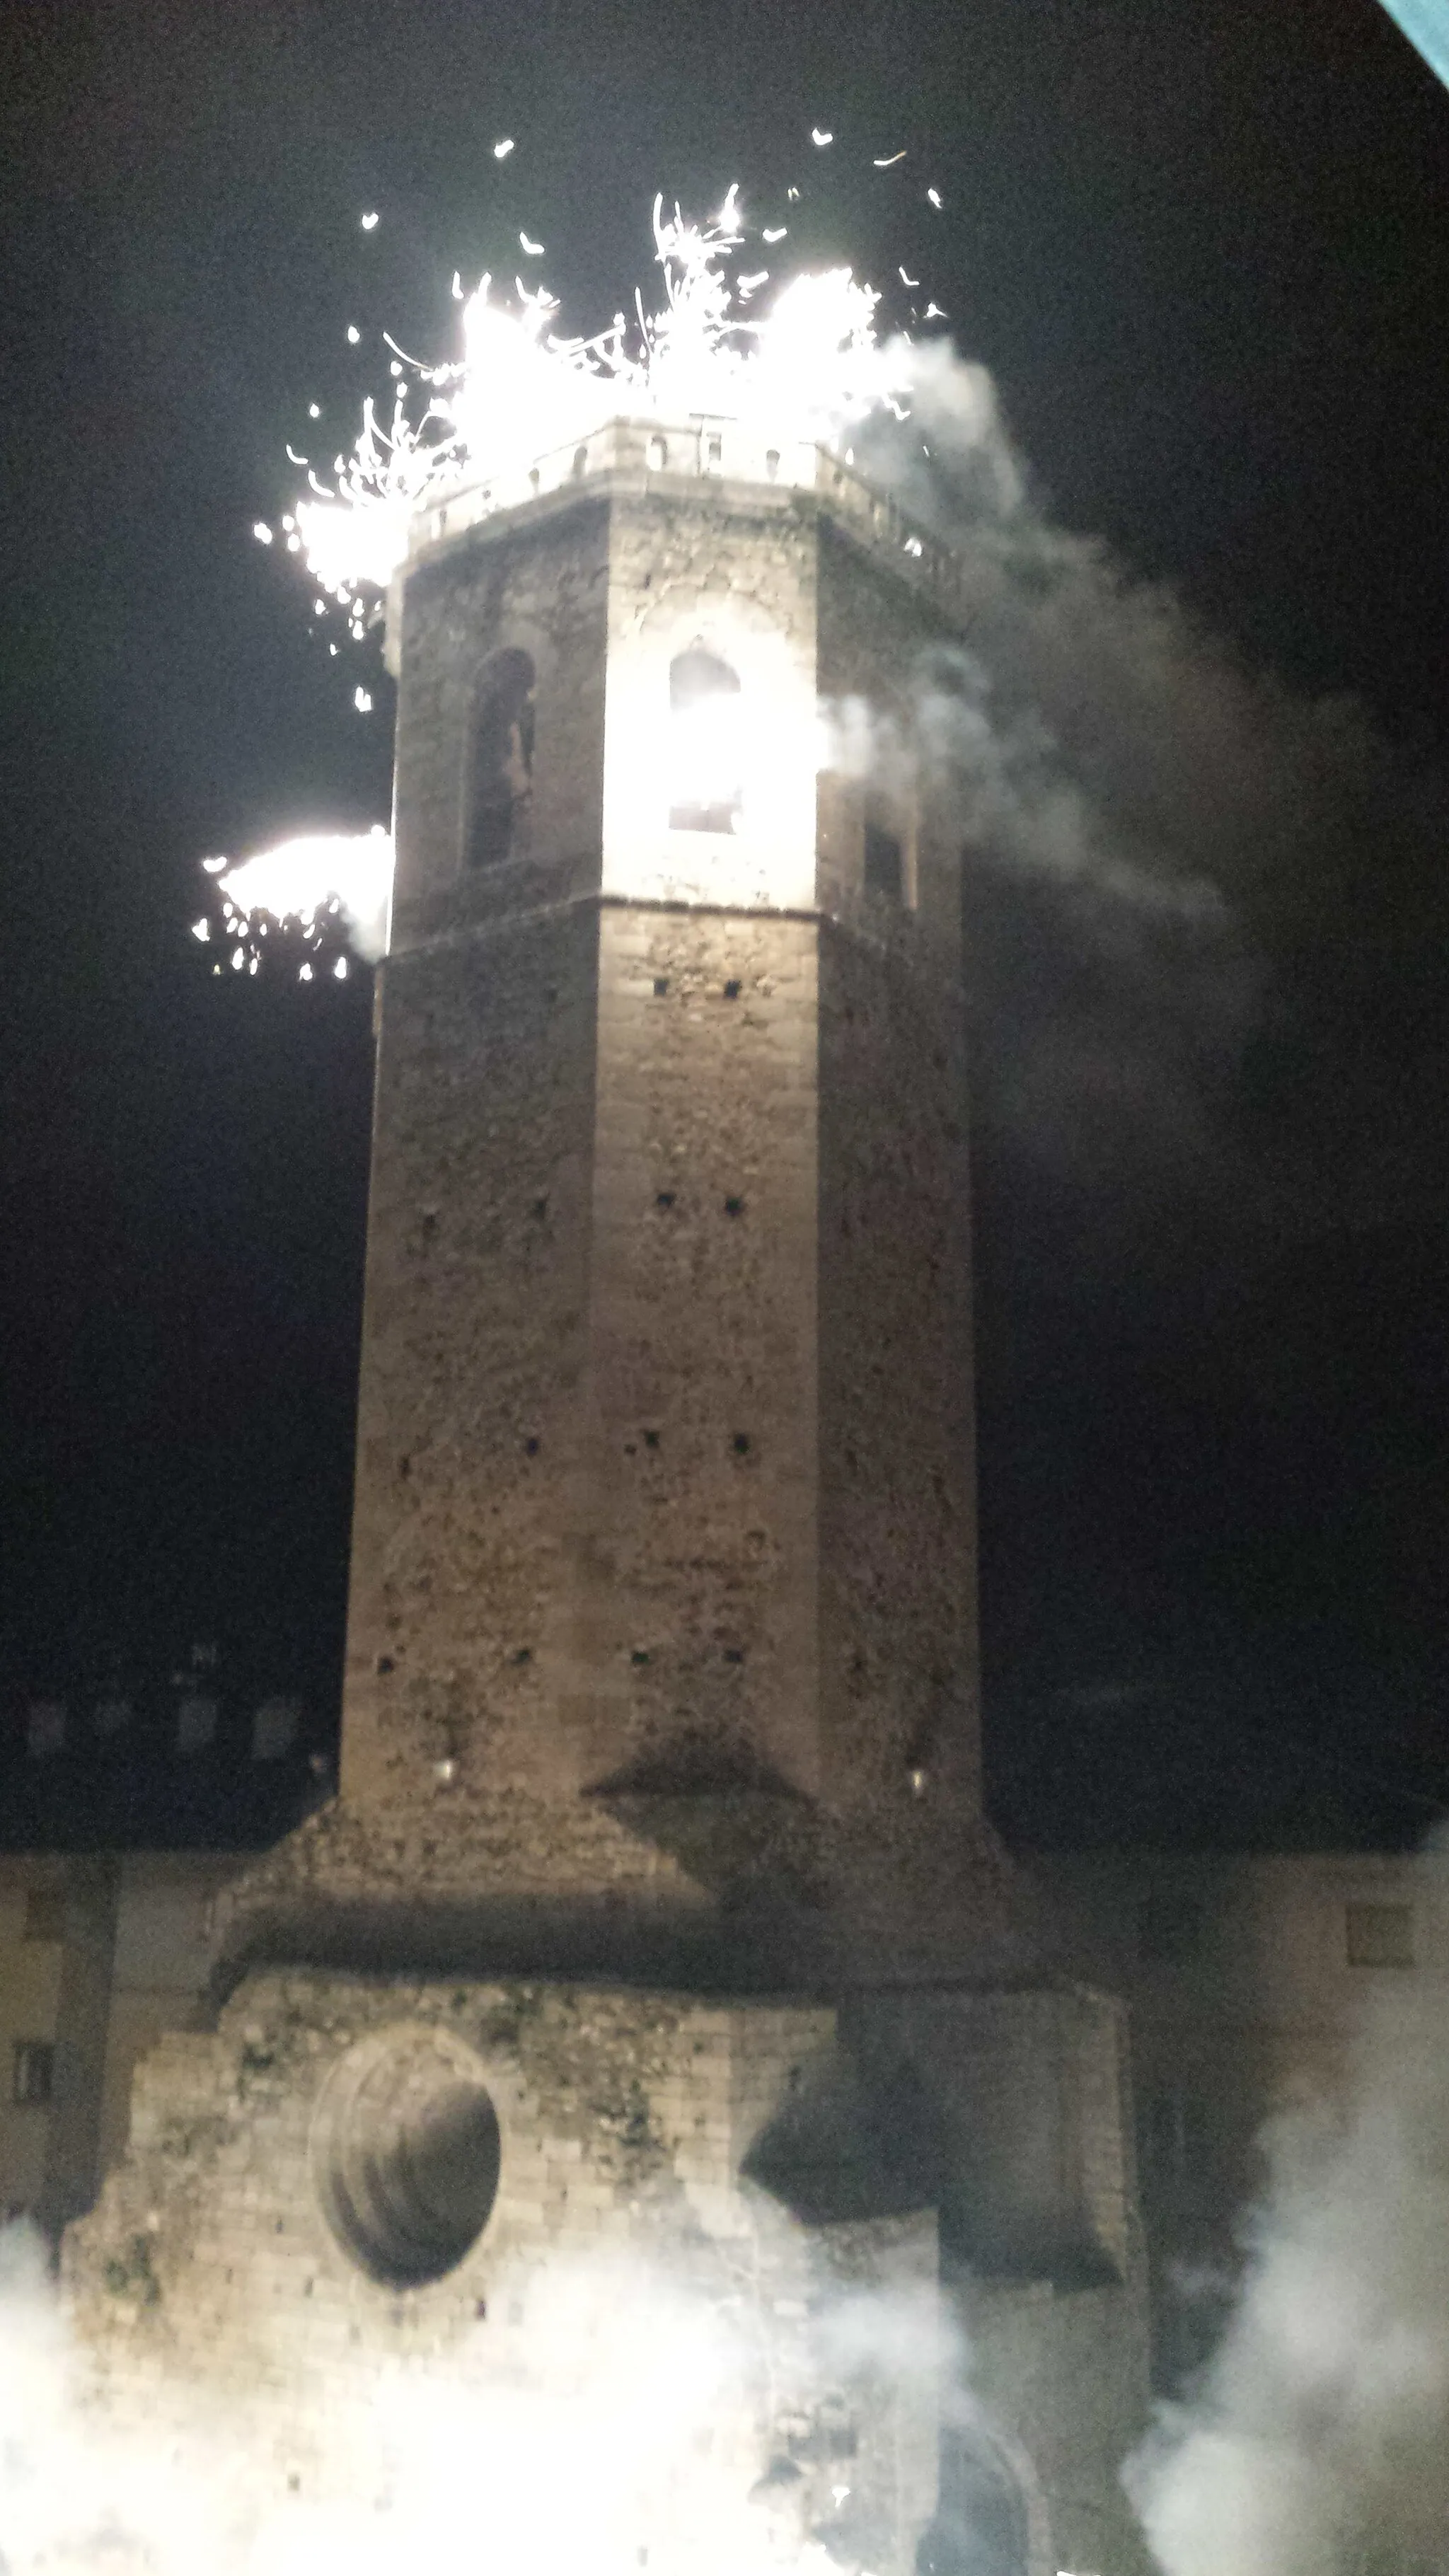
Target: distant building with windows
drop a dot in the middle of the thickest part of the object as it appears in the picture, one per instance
(1248, 1980)
(193, 1751)
(99, 1954)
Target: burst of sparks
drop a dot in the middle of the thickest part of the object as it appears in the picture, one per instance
(807, 367)
(320, 887)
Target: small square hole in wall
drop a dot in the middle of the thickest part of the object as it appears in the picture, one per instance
(661, 984)
(1379, 1936)
(732, 989)
(740, 1443)
(664, 1198)
(734, 1207)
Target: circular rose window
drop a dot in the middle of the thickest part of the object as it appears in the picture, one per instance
(405, 2149)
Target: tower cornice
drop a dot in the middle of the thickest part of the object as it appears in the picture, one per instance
(719, 462)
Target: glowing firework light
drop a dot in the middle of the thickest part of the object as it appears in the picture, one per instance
(802, 366)
(316, 888)
(806, 367)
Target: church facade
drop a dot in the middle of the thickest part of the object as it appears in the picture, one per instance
(654, 1958)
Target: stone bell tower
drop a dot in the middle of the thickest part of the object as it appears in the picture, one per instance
(664, 1485)
(656, 1909)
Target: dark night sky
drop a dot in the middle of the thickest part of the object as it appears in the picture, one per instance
(1204, 248)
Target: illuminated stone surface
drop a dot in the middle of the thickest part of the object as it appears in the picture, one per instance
(661, 1692)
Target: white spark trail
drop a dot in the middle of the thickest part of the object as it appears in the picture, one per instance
(319, 876)
(806, 368)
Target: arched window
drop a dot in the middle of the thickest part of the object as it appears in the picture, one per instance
(500, 761)
(705, 745)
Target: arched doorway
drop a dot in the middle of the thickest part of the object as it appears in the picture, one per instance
(980, 2524)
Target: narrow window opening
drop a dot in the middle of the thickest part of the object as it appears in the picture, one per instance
(274, 1729)
(884, 856)
(713, 453)
(196, 1717)
(32, 2081)
(704, 708)
(772, 463)
(45, 1728)
(581, 463)
(500, 782)
(657, 455)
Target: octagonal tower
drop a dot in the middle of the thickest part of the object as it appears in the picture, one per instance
(665, 1473)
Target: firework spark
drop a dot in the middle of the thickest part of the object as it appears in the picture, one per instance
(321, 887)
(807, 367)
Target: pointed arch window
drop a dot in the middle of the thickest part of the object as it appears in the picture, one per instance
(706, 743)
(500, 761)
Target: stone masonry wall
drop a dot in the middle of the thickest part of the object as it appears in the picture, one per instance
(475, 1340)
(211, 2286)
(697, 1617)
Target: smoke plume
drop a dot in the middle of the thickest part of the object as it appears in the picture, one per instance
(1318, 2442)
(1172, 855)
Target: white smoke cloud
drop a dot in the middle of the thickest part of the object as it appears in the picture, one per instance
(1171, 854)
(1318, 2442)
(620, 2410)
